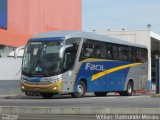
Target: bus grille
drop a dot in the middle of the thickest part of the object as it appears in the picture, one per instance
(38, 83)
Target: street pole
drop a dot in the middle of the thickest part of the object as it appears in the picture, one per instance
(158, 75)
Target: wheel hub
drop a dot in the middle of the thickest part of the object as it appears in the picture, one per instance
(80, 89)
(129, 89)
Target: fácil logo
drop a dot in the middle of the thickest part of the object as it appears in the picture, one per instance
(94, 67)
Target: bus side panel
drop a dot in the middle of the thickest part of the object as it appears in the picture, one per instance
(97, 85)
(86, 71)
(139, 75)
(113, 81)
(82, 74)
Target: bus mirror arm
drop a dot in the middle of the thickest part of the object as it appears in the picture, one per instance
(16, 51)
(61, 52)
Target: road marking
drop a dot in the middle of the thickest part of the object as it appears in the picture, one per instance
(130, 97)
(112, 97)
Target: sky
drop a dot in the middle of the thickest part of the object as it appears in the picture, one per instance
(101, 15)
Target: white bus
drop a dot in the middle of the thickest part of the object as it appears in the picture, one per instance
(72, 62)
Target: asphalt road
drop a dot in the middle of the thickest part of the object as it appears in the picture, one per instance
(110, 101)
(66, 101)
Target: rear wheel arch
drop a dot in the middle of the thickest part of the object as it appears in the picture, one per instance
(131, 80)
(129, 88)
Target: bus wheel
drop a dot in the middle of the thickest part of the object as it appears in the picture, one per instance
(81, 89)
(47, 95)
(100, 94)
(129, 90)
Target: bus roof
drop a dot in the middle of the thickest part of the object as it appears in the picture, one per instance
(77, 34)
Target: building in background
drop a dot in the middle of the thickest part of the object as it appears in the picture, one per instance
(20, 19)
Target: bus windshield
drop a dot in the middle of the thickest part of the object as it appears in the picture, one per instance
(42, 59)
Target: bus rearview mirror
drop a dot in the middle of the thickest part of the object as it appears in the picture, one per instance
(62, 50)
(17, 50)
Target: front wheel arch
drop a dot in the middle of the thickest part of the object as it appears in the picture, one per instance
(81, 84)
(85, 82)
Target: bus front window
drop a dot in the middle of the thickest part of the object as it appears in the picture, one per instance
(42, 59)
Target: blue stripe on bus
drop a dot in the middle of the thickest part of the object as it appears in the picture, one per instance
(47, 39)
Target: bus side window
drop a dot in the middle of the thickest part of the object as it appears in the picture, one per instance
(99, 50)
(130, 54)
(103, 51)
(69, 58)
(136, 55)
(115, 52)
(134, 52)
(120, 53)
(143, 55)
(108, 51)
(123, 53)
(87, 50)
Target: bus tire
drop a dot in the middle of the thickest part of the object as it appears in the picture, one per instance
(47, 95)
(129, 90)
(81, 89)
(100, 94)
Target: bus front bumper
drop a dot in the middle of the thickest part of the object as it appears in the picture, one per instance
(49, 88)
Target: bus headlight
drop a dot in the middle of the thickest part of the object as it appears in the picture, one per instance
(22, 87)
(55, 88)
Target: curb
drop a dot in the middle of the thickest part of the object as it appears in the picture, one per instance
(10, 95)
(155, 95)
(75, 110)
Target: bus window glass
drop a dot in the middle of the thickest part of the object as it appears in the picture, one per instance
(130, 54)
(99, 50)
(143, 55)
(123, 53)
(109, 51)
(115, 52)
(69, 58)
(87, 50)
(136, 55)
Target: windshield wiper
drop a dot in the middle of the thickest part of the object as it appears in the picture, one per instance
(35, 64)
(39, 59)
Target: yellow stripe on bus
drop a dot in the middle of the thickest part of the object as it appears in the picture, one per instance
(100, 74)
